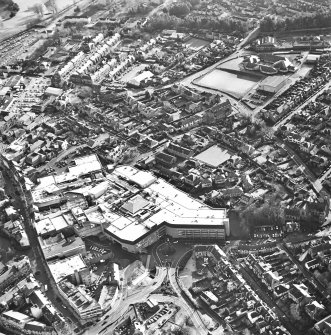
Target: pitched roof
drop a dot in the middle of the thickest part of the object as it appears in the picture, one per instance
(135, 204)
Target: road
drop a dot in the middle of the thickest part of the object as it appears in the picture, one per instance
(127, 297)
(193, 313)
(37, 258)
(261, 292)
(300, 107)
(316, 182)
(297, 159)
(305, 272)
(248, 37)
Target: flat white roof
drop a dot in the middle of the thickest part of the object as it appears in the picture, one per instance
(141, 178)
(174, 207)
(138, 211)
(44, 226)
(214, 156)
(65, 267)
(135, 204)
(56, 247)
(20, 317)
(59, 222)
(53, 91)
(273, 81)
(85, 165)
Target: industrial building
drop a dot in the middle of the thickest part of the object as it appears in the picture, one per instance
(272, 84)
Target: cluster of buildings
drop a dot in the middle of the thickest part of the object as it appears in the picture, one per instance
(24, 307)
(314, 254)
(268, 64)
(272, 44)
(299, 92)
(249, 12)
(228, 296)
(11, 225)
(129, 206)
(316, 153)
(22, 106)
(146, 317)
(285, 281)
(188, 147)
(213, 13)
(288, 9)
(102, 59)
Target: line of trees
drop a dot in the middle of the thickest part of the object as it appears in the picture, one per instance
(168, 21)
(319, 20)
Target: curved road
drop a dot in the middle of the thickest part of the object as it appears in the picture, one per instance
(126, 297)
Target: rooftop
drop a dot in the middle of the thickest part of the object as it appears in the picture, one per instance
(273, 81)
(165, 204)
(66, 267)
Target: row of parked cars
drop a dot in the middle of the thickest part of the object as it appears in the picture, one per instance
(159, 315)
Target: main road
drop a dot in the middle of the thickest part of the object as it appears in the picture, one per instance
(126, 298)
(190, 311)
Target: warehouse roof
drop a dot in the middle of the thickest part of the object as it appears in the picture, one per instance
(273, 81)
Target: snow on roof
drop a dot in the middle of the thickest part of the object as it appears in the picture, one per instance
(141, 178)
(135, 204)
(66, 267)
(173, 206)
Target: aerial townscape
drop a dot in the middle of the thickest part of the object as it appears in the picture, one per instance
(165, 167)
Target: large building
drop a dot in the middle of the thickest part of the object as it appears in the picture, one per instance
(268, 64)
(157, 208)
(83, 306)
(130, 207)
(73, 268)
(272, 84)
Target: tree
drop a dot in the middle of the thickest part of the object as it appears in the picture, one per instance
(53, 6)
(194, 3)
(77, 10)
(179, 9)
(38, 9)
